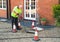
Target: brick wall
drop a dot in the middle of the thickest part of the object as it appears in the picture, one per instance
(44, 9)
(3, 13)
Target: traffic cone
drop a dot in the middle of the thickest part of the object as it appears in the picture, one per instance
(14, 28)
(33, 25)
(36, 38)
(19, 25)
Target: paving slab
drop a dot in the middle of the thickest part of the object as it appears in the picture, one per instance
(48, 35)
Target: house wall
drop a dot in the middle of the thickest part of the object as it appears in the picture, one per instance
(3, 13)
(44, 9)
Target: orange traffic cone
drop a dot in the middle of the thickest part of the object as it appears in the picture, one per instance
(14, 28)
(32, 24)
(19, 25)
(36, 38)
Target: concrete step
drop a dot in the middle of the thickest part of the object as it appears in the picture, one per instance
(11, 35)
(31, 40)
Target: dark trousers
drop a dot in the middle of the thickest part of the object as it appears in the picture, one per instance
(15, 21)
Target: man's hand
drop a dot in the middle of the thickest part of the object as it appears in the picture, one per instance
(16, 13)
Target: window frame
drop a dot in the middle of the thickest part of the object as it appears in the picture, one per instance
(2, 6)
(28, 11)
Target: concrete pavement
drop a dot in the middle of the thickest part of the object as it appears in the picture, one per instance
(48, 35)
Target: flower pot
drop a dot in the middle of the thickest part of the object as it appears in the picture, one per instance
(43, 22)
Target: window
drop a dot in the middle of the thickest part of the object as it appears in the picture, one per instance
(27, 15)
(33, 15)
(2, 4)
(30, 9)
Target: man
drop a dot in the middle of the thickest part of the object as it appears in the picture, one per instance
(16, 12)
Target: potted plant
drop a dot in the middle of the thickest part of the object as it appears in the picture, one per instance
(43, 21)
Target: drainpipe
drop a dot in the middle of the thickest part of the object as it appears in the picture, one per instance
(8, 9)
(59, 1)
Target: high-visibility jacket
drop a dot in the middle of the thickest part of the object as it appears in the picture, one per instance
(16, 10)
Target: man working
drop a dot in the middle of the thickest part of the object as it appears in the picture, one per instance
(16, 12)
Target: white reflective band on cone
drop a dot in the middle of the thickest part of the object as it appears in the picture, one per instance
(36, 33)
(32, 23)
(14, 27)
(19, 24)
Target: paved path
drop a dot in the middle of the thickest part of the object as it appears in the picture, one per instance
(48, 35)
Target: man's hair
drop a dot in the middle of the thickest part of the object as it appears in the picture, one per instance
(17, 6)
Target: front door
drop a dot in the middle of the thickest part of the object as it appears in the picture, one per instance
(30, 9)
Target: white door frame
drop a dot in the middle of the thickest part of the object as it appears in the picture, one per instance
(30, 11)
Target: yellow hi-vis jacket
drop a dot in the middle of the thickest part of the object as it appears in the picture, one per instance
(16, 10)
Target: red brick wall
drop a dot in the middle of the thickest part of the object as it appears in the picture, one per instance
(3, 13)
(45, 9)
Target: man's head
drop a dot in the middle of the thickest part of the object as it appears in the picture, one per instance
(20, 6)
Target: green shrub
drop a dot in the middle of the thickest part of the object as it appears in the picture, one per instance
(56, 11)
